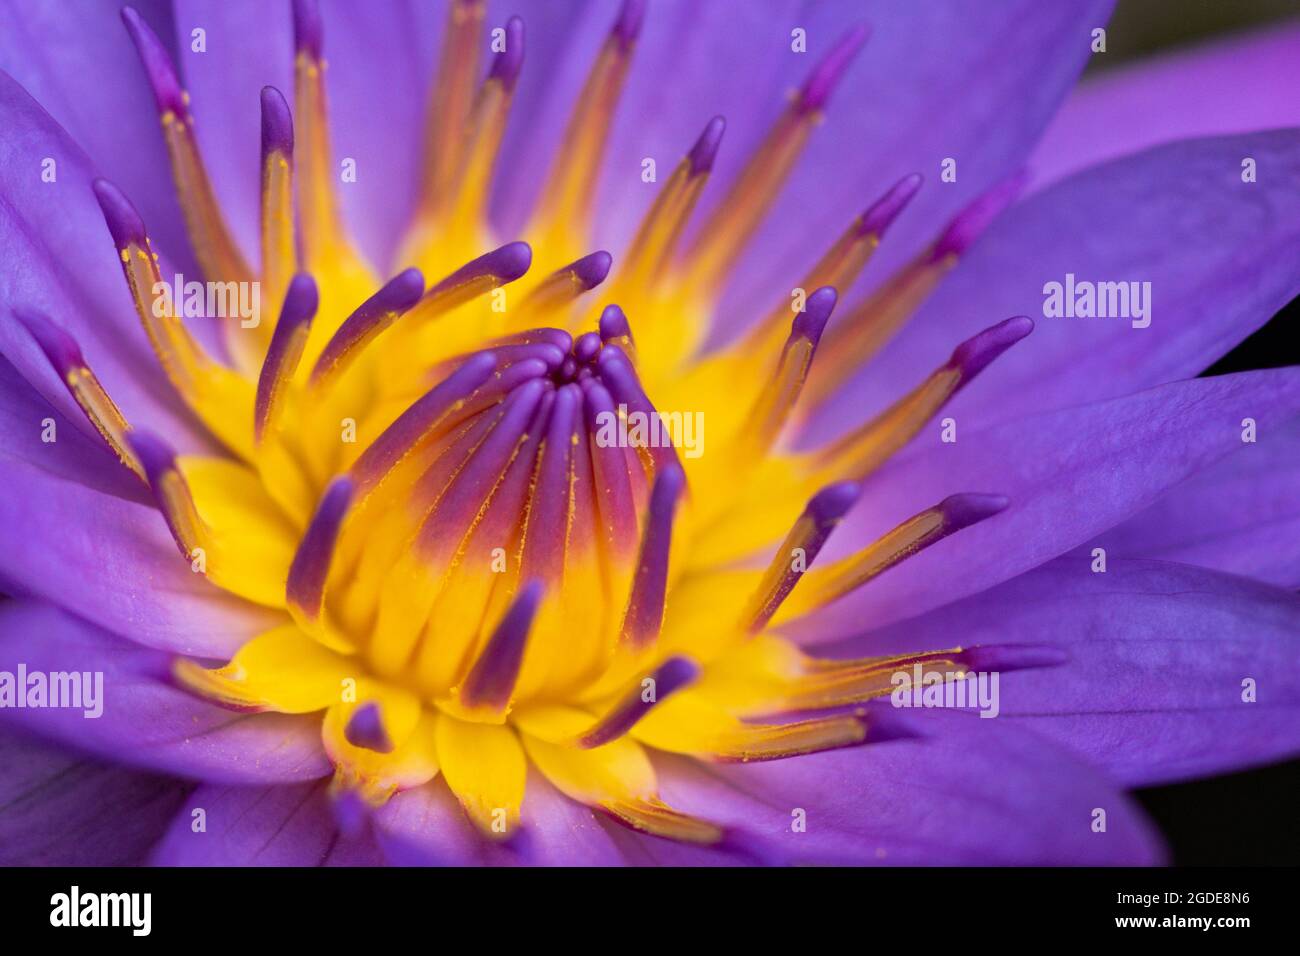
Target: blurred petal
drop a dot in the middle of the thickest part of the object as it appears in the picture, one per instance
(1242, 83)
(1070, 474)
(1240, 515)
(970, 791)
(60, 809)
(145, 720)
(262, 826)
(1221, 256)
(1152, 690)
(83, 69)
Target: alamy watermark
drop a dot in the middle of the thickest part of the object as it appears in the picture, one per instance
(217, 300)
(623, 429)
(1082, 299)
(957, 689)
(58, 690)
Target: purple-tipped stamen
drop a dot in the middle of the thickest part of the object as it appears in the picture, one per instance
(1012, 657)
(365, 729)
(544, 542)
(158, 66)
(972, 356)
(645, 610)
(491, 681)
(587, 347)
(628, 25)
(282, 356)
(508, 63)
(505, 264)
(277, 123)
(455, 509)
(60, 348)
(614, 325)
(617, 374)
(705, 150)
(590, 270)
(305, 589)
(156, 457)
(308, 32)
(886, 209)
(811, 322)
(963, 510)
(124, 223)
(616, 503)
(827, 74)
(820, 516)
(672, 675)
(969, 224)
(370, 319)
(401, 437)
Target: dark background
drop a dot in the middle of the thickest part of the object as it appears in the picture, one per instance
(1249, 817)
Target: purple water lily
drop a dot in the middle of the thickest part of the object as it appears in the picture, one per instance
(444, 592)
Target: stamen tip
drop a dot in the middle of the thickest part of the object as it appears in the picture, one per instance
(157, 63)
(834, 501)
(886, 209)
(510, 261)
(1013, 657)
(402, 291)
(277, 123)
(824, 78)
(705, 150)
(973, 355)
(307, 28)
(613, 324)
(156, 457)
(60, 348)
(969, 224)
(365, 729)
(963, 510)
(124, 223)
(591, 270)
(305, 587)
(811, 322)
(510, 60)
(628, 26)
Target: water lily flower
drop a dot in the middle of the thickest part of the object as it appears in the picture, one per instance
(426, 610)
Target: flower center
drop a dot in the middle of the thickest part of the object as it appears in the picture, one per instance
(483, 566)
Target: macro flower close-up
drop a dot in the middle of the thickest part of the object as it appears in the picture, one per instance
(627, 432)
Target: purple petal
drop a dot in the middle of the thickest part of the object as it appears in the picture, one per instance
(1240, 515)
(78, 455)
(81, 67)
(1242, 84)
(110, 560)
(263, 826)
(59, 809)
(1070, 474)
(1219, 254)
(1152, 687)
(426, 826)
(145, 720)
(970, 791)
